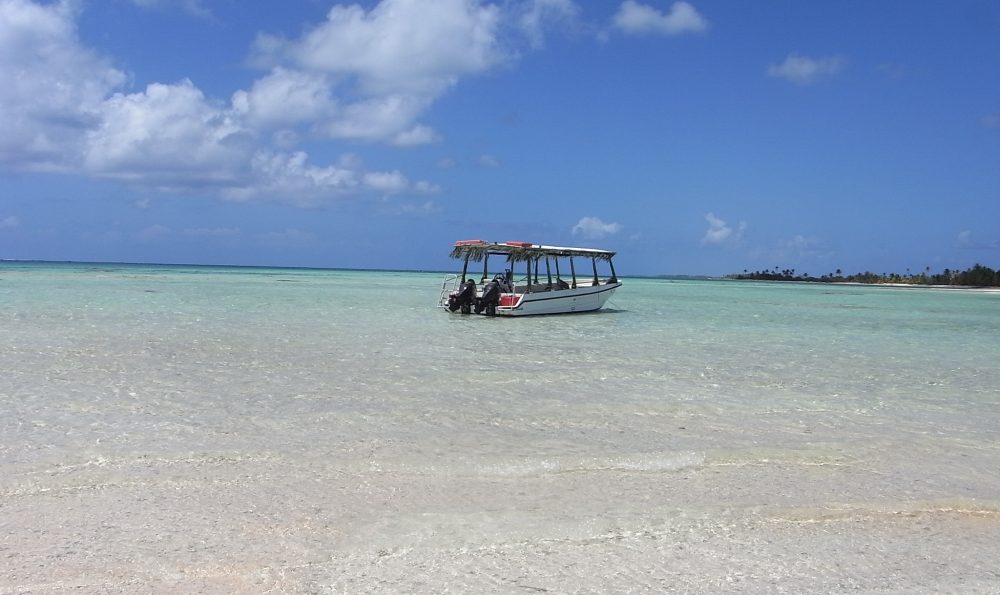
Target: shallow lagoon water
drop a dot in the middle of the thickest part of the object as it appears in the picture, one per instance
(183, 429)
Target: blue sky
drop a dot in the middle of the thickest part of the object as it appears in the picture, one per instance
(701, 137)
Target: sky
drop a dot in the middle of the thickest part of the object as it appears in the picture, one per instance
(700, 137)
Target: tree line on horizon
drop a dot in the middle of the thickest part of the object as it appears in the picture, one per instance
(977, 276)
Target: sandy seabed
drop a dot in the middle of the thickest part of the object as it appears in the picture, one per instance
(260, 524)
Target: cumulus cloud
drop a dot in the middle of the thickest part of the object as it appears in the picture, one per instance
(636, 18)
(167, 135)
(802, 70)
(285, 97)
(393, 61)
(418, 135)
(537, 16)
(451, 37)
(290, 176)
(387, 182)
(593, 228)
(64, 109)
(365, 74)
(720, 232)
(387, 118)
(51, 87)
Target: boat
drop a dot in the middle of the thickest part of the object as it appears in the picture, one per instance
(518, 287)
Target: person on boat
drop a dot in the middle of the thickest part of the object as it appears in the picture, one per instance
(464, 298)
(503, 281)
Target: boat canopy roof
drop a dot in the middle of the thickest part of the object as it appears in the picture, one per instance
(476, 250)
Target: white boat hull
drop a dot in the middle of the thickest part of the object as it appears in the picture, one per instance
(556, 301)
(559, 301)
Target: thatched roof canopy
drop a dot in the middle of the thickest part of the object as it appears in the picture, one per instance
(476, 250)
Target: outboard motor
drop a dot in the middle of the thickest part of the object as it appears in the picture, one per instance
(490, 299)
(464, 298)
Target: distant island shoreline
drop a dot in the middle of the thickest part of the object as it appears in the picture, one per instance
(975, 288)
(978, 277)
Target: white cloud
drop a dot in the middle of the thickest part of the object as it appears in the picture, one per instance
(804, 71)
(382, 118)
(285, 138)
(9, 222)
(360, 75)
(392, 61)
(991, 120)
(389, 182)
(799, 242)
(423, 208)
(593, 228)
(61, 113)
(797, 250)
(635, 18)
(291, 178)
(451, 38)
(51, 87)
(425, 187)
(801, 247)
(536, 16)
(966, 239)
(286, 97)
(290, 175)
(167, 136)
(720, 232)
(411, 209)
(418, 135)
(195, 7)
(488, 161)
(212, 232)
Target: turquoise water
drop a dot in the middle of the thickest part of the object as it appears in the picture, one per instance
(173, 428)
